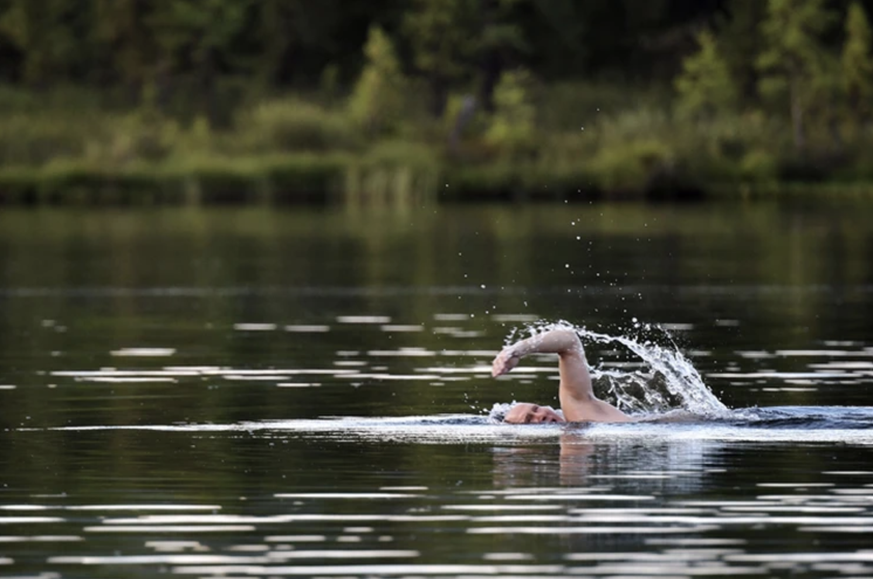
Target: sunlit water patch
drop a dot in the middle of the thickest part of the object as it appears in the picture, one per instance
(839, 370)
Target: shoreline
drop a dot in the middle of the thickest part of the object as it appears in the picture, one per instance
(325, 179)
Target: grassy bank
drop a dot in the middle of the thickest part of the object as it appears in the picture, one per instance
(568, 141)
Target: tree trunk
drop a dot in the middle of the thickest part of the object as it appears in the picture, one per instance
(797, 117)
(438, 96)
(208, 98)
(491, 63)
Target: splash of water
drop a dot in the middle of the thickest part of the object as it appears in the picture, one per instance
(666, 380)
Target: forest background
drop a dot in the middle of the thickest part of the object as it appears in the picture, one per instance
(459, 98)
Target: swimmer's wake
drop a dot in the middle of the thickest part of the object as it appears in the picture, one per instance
(671, 383)
(784, 424)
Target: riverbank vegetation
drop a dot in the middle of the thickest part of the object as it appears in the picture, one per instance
(283, 99)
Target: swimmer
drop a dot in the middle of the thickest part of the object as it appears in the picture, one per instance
(578, 402)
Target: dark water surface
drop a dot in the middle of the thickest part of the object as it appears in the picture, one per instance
(239, 392)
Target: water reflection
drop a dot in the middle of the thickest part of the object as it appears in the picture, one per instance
(584, 464)
(576, 501)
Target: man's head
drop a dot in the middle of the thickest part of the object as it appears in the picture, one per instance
(527, 413)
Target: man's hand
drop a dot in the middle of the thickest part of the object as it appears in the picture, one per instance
(505, 361)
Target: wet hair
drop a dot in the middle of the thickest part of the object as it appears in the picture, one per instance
(499, 411)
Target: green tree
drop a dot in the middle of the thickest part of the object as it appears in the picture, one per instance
(443, 38)
(196, 38)
(46, 33)
(793, 61)
(705, 85)
(453, 40)
(377, 99)
(514, 121)
(740, 42)
(502, 39)
(119, 28)
(856, 61)
(297, 39)
(198, 33)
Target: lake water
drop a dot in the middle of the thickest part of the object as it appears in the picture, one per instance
(305, 391)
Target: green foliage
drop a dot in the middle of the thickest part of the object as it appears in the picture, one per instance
(454, 41)
(173, 74)
(792, 32)
(121, 31)
(633, 167)
(513, 124)
(632, 124)
(794, 61)
(294, 40)
(105, 140)
(377, 99)
(502, 30)
(37, 139)
(136, 137)
(399, 152)
(328, 83)
(442, 36)
(759, 166)
(292, 124)
(197, 31)
(705, 86)
(647, 147)
(46, 35)
(38, 128)
(739, 40)
(857, 61)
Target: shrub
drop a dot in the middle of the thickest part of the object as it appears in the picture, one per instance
(513, 124)
(759, 165)
(296, 125)
(402, 154)
(377, 99)
(34, 139)
(705, 86)
(631, 166)
(130, 138)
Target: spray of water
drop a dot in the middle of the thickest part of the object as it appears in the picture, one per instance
(664, 379)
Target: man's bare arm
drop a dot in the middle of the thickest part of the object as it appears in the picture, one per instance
(575, 392)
